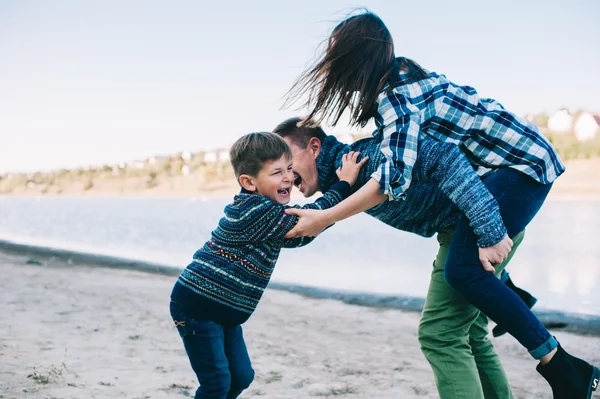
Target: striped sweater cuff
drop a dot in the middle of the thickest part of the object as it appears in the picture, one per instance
(491, 233)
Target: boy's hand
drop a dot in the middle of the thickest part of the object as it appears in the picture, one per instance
(496, 254)
(350, 168)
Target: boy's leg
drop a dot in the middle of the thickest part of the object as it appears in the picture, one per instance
(240, 367)
(449, 333)
(204, 343)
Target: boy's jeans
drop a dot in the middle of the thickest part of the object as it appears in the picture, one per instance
(217, 353)
(454, 337)
(520, 197)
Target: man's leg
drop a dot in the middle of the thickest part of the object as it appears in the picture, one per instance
(446, 334)
(492, 376)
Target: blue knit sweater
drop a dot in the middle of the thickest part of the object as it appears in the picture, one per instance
(444, 187)
(227, 277)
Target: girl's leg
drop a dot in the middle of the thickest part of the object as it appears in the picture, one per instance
(519, 197)
(529, 300)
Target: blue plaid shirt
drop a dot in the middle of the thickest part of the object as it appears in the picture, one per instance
(490, 136)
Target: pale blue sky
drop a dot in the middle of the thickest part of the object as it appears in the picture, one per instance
(89, 82)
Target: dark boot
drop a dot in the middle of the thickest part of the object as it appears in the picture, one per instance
(524, 295)
(570, 377)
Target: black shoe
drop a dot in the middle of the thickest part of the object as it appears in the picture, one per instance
(529, 300)
(570, 377)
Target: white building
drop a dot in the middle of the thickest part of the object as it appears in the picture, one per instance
(561, 121)
(586, 126)
(186, 156)
(216, 155)
(223, 155)
(210, 157)
(185, 170)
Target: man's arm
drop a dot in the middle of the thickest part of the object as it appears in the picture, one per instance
(444, 165)
(312, 223)
(337, 193)
(266, 220)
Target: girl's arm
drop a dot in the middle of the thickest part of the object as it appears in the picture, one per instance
(401, 123)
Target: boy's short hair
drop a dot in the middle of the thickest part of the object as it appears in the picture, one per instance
(249, 153)
(299, 134)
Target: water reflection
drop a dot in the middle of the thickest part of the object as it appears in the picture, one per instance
(558, 260)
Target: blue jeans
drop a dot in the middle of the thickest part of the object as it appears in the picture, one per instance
(217, 353)
(520, 197)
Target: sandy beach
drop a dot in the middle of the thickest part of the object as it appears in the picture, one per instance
(79, 331)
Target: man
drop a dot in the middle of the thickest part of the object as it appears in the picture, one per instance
(452, 333)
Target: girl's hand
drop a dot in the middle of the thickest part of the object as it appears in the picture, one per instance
(496, 254)
(350, 168)
(311, 222)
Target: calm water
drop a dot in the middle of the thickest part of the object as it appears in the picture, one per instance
(558, 261)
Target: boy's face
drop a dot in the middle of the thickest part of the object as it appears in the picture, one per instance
(275, 180)
(306, 176)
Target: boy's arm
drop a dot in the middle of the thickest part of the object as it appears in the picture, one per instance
(262, 219)
(444, 165)
(336, 194)
(401, 122)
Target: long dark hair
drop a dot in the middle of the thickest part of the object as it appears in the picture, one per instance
(356, 65)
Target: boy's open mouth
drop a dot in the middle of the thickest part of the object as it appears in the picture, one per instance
(283, 191)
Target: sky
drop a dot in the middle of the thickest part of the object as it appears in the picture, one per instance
(92, 82)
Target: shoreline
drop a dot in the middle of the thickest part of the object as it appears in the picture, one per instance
(296, 197)
(580, 182)
(577, 323)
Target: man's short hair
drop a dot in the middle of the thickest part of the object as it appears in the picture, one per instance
(300, 135)
(249, 153)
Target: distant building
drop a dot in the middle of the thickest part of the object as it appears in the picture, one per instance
(223, 155)
(186, 155)
(561, 121)
(210, 157)
(587, 126)
(185, 170)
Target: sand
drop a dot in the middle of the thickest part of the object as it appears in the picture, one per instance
(79, 331)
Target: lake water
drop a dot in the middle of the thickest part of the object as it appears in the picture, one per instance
(558, 261)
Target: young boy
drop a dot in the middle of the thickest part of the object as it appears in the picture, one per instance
(221, 287)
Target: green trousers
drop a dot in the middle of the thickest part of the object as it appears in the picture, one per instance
(453, 335)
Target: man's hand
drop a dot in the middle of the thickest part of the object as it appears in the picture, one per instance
(349, 170)
(496, 254)
(311, 222)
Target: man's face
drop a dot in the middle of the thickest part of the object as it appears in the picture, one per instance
(304, 164)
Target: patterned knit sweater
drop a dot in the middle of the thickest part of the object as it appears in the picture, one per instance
(227, 277)
(444, 187)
